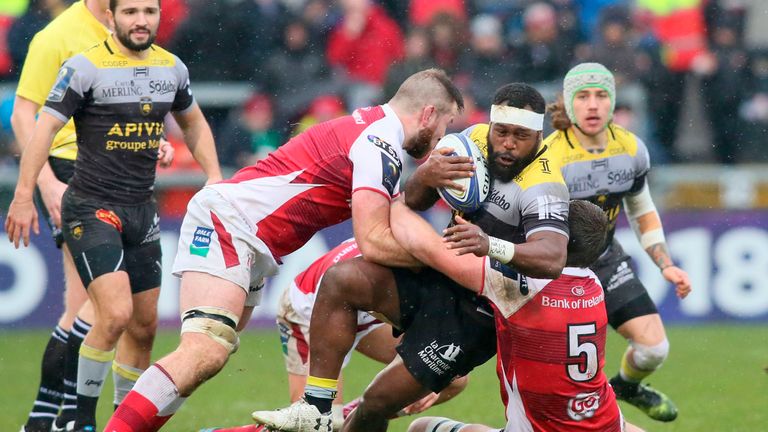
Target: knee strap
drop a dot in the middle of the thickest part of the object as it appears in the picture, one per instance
(218, 324)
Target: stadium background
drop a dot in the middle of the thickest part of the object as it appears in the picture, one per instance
(265, 69)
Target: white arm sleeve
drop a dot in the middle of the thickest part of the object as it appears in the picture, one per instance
(638, 205)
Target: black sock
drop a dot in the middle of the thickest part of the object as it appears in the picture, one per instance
(323, 405)
(79, 330)
(51, 391)
(622, 387)
(86, 411)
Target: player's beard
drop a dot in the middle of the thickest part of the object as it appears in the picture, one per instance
(419, 146)
(506, 174)
(125, 38)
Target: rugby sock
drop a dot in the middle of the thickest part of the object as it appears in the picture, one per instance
(151, 403)
(92, 370)
(124, 378)
(442, 424)
(79, 329)
(50, 394)
(321, 392)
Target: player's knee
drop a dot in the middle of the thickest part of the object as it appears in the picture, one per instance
(143, 332)
(650, 357)
(215, 323)
(378, 405)
(435, 424)
(115, 318)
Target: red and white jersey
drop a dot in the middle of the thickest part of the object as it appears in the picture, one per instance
(307, 184)
(303, 290)
(551, 352)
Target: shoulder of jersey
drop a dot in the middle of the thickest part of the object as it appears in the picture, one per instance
(478, 133)
(544, 169)
(627, 139)
(557, 144)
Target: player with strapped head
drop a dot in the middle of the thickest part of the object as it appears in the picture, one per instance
(608, 165)
(374, 338)
(108, 209)
(542, 325)
(447, 329)
(236, 232)
(48, 50)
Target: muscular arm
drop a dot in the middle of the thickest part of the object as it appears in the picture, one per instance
(23, 123)
(418, 237)
(542, 255)
(21, 213)
(199, 139)
(371, 226)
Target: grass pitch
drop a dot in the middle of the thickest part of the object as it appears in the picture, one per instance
(715, 373)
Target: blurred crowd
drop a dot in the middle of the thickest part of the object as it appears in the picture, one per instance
(311, 60)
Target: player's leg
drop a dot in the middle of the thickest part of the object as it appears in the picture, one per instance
(346, 288)
(634, 315)
(135, 346)
(629, 427)
(391, 390)
(379, 344)
(443, 424)
(143, 261)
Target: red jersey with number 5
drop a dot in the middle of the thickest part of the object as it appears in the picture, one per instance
(551, 352)
(307, 184)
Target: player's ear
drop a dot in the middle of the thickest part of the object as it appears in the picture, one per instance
(428, 115)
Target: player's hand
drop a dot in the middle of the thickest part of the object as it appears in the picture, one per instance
(422, 404)
(165, 153)
(439, 170)
(680, 278)
(51, 193)
(21, 217)
(466, 237)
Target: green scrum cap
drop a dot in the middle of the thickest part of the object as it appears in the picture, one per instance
(586, 75)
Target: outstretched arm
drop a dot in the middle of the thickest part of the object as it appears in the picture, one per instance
(418, 237)
(646, 223)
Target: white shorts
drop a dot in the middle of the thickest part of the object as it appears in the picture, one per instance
(293, 323)
(216, 239)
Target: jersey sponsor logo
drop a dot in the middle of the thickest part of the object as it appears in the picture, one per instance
(121, 89)
(390, 174)
(578, 291)
(565, 303)
(499, 199)
(153, 233)
(145, 105)
(621, 176)
(62, 84)
(114, 63)
(622, 274)
(449, 352)
(162, 87)
(109, 217)
(201, 241)
(583, 184)
(358, 117)
(437, 357)
(137, 129)
(387, 149)
(342, 253)
(141, 72)
(583, 406)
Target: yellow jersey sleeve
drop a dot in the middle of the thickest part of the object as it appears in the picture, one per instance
(40, 68)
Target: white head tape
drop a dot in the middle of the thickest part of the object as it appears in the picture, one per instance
(517, 116)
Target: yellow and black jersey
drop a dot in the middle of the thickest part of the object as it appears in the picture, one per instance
(72, 32)
(536, 200)
(603, 178)
(118, 105)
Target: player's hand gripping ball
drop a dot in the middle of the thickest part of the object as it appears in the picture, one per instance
(476, 188)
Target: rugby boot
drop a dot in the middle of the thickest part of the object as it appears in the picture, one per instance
(299, 417)
(647, 399)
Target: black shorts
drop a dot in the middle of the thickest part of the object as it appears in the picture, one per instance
(448, 330)
(105, 238)
(625, 295)
(63, 169)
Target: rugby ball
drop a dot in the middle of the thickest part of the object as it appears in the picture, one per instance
(476, 188)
